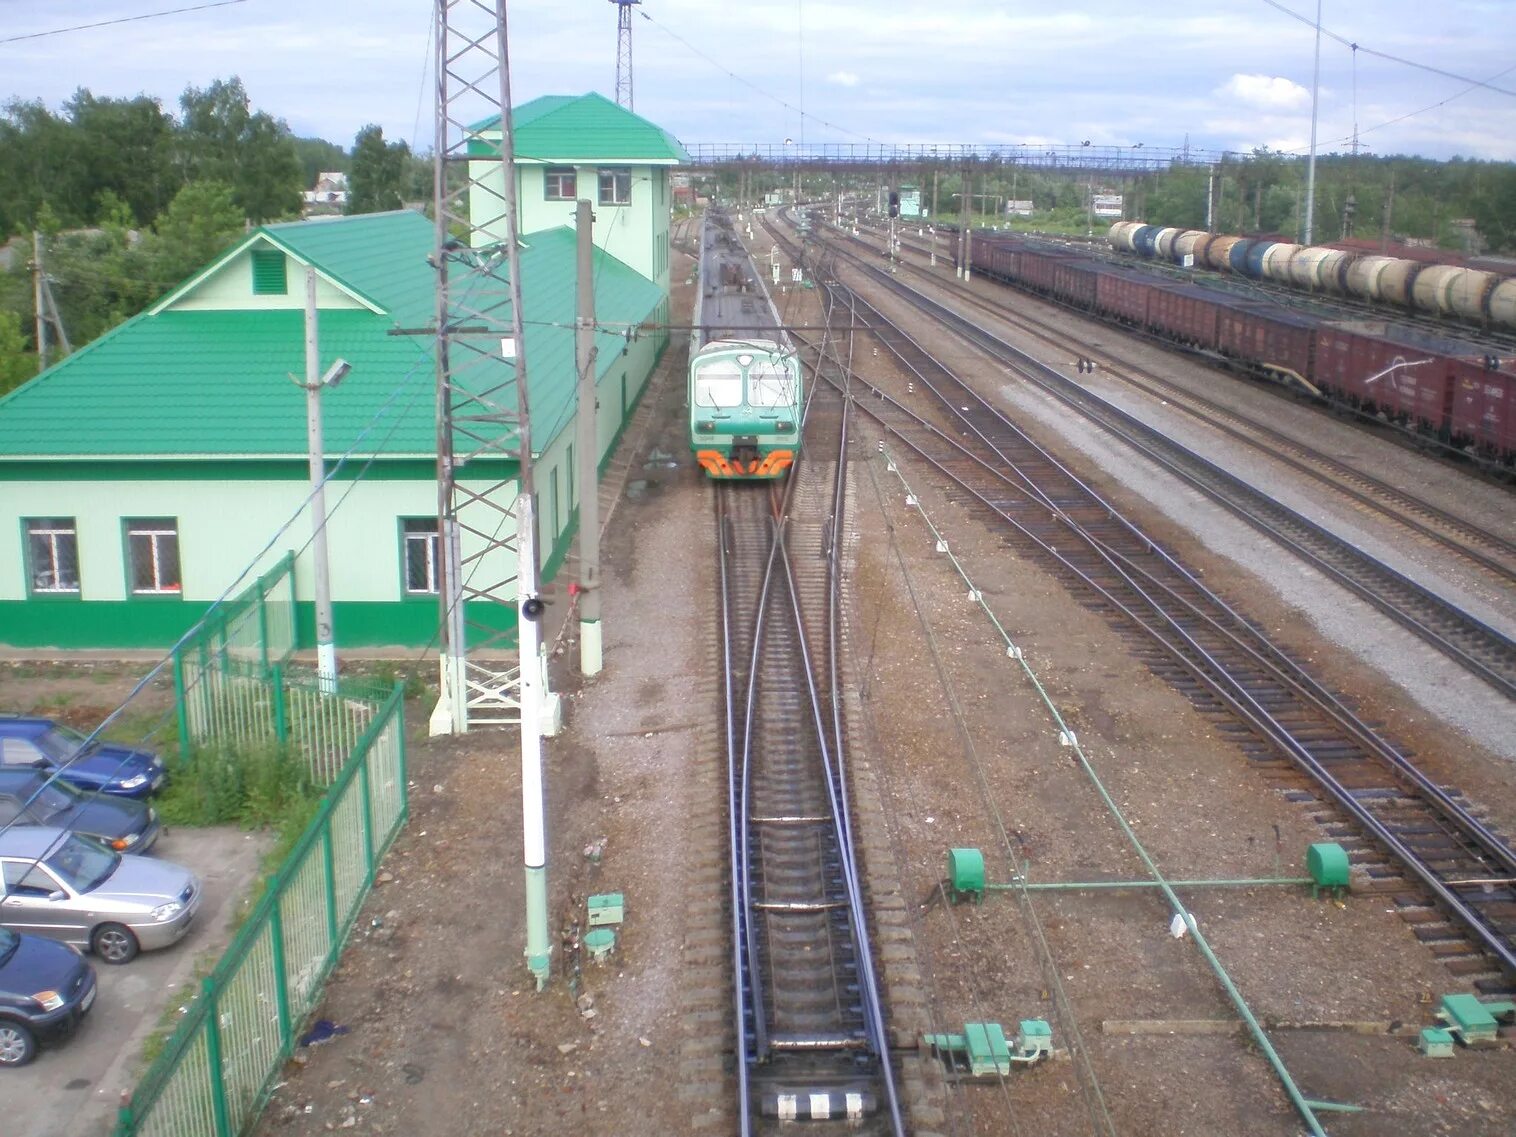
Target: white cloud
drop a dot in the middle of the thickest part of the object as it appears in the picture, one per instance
(843, 78)
(1267, 92)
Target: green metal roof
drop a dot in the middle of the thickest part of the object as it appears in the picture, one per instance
(188, 382)
(582, 128)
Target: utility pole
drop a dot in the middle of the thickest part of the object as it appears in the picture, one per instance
(1310, 167)
(37, 278)
(326, 646)
(587, 438)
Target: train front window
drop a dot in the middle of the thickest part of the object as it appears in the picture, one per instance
(770, 385)
(718, 385)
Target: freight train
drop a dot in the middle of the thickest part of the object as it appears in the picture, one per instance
(745, 381)
(1435, 289)
(1442, 387)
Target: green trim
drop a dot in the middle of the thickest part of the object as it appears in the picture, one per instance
(270, 272)
(176, 469)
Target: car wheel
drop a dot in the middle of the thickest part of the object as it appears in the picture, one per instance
(115, 943)
(17, 1046)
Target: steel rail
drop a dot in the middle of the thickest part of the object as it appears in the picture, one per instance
(1391, 501)
(1368, 577)
(1268, 726)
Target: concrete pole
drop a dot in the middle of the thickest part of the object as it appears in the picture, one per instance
(968, 231)
(37, 271)
(587, 439)
(539, 947)
(1310, 166)
(326, 647)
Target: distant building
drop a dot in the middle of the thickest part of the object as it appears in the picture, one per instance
(330, 194)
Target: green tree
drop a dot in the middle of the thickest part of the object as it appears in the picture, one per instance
(223, 140)
(17, 365)
(378, 172)
(316, 156)
(196, 228)
(128, 149)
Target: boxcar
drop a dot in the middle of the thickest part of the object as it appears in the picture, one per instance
(1124, 295)
(1266, 334)
(1377, 364)
(1185, 313)
(1483, 411)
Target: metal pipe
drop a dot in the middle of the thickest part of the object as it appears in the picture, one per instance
(1108, 885)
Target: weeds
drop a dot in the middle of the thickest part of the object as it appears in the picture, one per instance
(254, 786)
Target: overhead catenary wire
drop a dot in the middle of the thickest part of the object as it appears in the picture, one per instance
(120, 20)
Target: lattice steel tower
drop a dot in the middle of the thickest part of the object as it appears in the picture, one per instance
(624, 52)
(486, 542)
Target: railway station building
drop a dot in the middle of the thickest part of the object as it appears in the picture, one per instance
(149, 473)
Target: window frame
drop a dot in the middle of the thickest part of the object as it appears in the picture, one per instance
(550, 173)
(615, 174)
(433, 546)
(56, 527)
(155, 528)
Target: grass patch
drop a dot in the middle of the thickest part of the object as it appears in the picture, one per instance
(253, 786)
(174, 1010)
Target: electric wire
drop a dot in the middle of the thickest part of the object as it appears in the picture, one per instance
(120, 20)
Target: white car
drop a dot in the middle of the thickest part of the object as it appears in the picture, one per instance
(71, 888)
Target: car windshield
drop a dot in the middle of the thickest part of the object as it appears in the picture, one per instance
(81, 863)
(8, 942)
(55, 798)
(60, 742)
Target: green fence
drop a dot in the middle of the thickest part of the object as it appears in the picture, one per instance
(222, 672)
(218, 1068)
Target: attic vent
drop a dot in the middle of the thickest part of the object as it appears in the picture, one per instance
(269, 273)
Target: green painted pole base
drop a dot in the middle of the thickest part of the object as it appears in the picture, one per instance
(539, 949)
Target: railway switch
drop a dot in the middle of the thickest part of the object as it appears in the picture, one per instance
(965, 876)
(1473, 1022)
(1327, 862)
(1435, 1043)
(982, 1050)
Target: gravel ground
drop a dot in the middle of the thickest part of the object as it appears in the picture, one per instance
(957, 747)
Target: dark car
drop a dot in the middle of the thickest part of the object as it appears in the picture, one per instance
(42, 744)
(45, 989)
(31, 797)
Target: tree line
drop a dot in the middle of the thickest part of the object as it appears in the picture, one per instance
(130, 200)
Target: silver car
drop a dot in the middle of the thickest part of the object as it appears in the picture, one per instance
(70, 888)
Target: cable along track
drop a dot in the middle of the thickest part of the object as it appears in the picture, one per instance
(1490, 551)
(1223, 663)
(810, 1021)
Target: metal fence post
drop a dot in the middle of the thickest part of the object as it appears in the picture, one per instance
(262, 626)
(281, 969)
(213, 1056)
(281, 705)
(329, 873)
(368, 810)
(180, 709)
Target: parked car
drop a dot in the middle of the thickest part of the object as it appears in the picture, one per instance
(45, 989)
(70, 888)
(43, 744)
(32, 797)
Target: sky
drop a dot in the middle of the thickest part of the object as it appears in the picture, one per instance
(1219, 74)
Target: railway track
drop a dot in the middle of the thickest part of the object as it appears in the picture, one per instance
(1451, 877)
(1482, 650)
(1489, 552)
(810, 1021)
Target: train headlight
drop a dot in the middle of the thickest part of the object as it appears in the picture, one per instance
(784, 426)
(706, 427)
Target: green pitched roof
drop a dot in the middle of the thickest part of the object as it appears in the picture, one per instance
(584, 128)
(190, 382)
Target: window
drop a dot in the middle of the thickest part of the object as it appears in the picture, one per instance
(269, 277)
(52, 555)
(152, 556)
(423, 565)
(769, 385)
(718, 385)
(616, 185)
(559, 183)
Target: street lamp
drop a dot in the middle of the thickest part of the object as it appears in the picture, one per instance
(315, 381)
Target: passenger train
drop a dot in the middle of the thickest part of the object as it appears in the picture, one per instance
(745, 380)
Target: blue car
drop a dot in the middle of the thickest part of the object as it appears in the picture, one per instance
(45, 989)
(43, 744)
